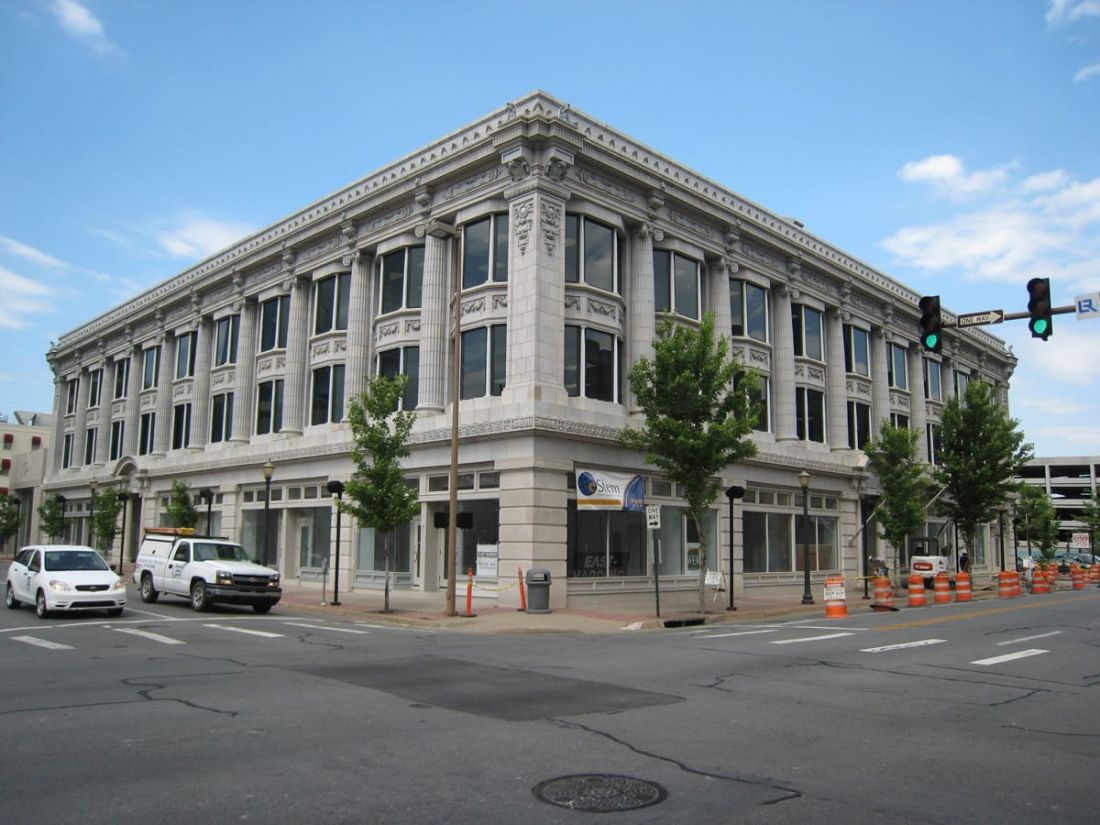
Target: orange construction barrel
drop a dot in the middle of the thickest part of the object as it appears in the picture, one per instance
(836, 599)
(884, 594)
(963, 590)
(1078, 576)
(941, 589)
(1004, 585)
(1039, 581)
(917, 597)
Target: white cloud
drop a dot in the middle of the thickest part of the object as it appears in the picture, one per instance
(1044, 181)
(78, 21)
(1087, 72)
(195, 236)
(1070, 11)
(30, 253)
(948, 175)
(22, 297)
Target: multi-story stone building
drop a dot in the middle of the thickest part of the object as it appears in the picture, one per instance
(569, 241)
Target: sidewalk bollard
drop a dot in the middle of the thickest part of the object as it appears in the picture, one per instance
(470, 592)
(963, 588)
(916, 590)
(836, 604)
(522, 591)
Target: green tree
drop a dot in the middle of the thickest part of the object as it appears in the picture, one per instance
(700, 404)
(106, 507)
(181, 510)
(51, 516)
(1037, 520)
(9, 518)
(981, 452)
(904, 481)
(378, 495)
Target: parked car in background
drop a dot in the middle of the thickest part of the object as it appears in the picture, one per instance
(63, 578)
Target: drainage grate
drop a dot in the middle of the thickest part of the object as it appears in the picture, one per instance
(600, 793)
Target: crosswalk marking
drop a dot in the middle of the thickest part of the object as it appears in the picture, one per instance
(148, 634)
(34, 640)
(902, 645)
(809, 639)
(739, 633)
(326, 627)
(1028, 638)
(263, 633)
(1008, 657)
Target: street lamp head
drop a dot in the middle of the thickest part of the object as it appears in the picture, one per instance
(269, 470)
(93, 485)
(804, 480)
(736, 491)
(336, 488)
(123, 496)
(206, 494)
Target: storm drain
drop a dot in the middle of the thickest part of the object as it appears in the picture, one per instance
(600, 793)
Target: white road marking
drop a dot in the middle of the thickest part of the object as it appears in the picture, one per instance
(147, 634)
(33, 640)
(326, 627)
(809, 639)
(1028, 638)
(1008, 657)
(263, 633)
(739, 633)
(921, 643)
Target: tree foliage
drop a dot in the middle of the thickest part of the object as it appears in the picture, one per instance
(699, 404)
(181, 510)
(982, 450)
(904, 481)
(51, 516)
(106, 507)
(1090, 517)
(1036, 520)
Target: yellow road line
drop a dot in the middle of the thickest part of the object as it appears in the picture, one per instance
(990, 612)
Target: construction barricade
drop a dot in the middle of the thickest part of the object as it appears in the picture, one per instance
(884, 594)
(1006, 588)
(1077, 576)
(1040, 583)
(963, 589)
(917, 597)
(941, 589)
(1094, 574)
(836, 599)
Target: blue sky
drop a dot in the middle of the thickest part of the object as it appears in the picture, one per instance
(953, 145)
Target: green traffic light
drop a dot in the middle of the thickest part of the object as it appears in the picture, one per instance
(1039, 326)
(931, 340)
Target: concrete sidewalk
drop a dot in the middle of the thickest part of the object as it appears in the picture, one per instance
(427, 610)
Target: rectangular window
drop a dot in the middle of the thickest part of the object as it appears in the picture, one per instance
(72, 392)
(328, 395)
(181, 426)
(95, 387)
(810, 414)
(221, 418)
(274, 321)
(404, 361)
(89, 445)
(225, 340)
(818, 536)
(269, 407)
(856, 350)
(118, 439)
(591, 254)
(748, 310)
(484, 358)
(898, 369)
(401, 279)
(933, 380)
(900, 421)
(768, 542)
(185, 354)
(485, 251)
(151, 369)
(859, 425)
(147, 433)
(66, 451)
(677, 284)
(962, 381)
(122, 378)
(763, 398)
(934, 434)
(595, 367)
(604, 543)
(808, 324)
(331, 303)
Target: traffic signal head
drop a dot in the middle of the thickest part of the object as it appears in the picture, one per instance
(1039, 305)
(931, 323)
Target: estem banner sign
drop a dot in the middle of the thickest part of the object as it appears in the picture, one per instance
(601, 490)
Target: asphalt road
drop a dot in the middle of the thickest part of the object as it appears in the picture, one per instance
(981, 712)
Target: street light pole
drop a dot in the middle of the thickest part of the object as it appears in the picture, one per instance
(61, 500)
(337, 489)
(123, 497)
(207, 495)
(804, 482)
(734, 492)
(269, 470)
(92, 485)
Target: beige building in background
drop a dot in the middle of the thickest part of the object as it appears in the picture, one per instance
(23, 451)
(570, 240)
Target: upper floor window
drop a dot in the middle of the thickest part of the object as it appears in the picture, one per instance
(962, 381)
(95, 387)
(225, 340)
(935, 434)
(401, 279)
(221, 417)
(484, 361)
(591, 254)
(185, 354)
(899, 420)
(748, 310)
(592, 364)
(147, 433)
(331, 303)
(328, 395)
(677, 284)
(122, 378)
(404, 361)
(856, 350)
(90, 445)
(274, 321)
(269, 407)
(181, 426)
(72, 392)
(151, 369)
(933, 380)
(898, 367)
(859, 425)
(118, 439)
(808, 324)
(485, 251)
(66, 452)
(810, 414)
(763, 399)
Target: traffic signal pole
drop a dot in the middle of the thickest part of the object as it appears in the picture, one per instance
(1001, 317)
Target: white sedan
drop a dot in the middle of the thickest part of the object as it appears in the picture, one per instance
(64, 578)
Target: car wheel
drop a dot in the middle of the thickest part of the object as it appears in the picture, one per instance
(149, 593)
(262, 608)
(114, 611)
(200, 598)
(9, 598)
(40, 605)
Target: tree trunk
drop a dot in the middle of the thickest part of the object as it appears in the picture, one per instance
(386, 555)
(702, 564)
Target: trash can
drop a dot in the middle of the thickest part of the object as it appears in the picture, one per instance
(538, 591)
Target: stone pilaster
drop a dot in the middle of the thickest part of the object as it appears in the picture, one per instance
(434, 323)
(918, 413)
(103, 424)
(297, 353)
(200, 412)
(133, 402)
(243, 390)
(836, 381)
(164, 393)
(57, 437)
(880, 380)
(641, 308)
(359, 324)
(80, 432)
(783, 365)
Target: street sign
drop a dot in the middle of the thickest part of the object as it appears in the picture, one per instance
(653, 516)
(977, 319)
(1088, 306)
(1081, 541)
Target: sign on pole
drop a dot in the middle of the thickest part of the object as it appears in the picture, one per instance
(977, 319)
(653, 516)
(1088, 306)
(1081, 541)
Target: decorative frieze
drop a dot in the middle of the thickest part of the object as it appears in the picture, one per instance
(690, 224)
(522, 220)
(472, 183)
(550, 222)
(604, 185)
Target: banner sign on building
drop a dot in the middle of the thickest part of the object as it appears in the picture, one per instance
(601, 490)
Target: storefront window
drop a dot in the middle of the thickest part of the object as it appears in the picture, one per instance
(606, 543)
(314, 530)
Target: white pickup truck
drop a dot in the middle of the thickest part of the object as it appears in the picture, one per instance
(203, 569)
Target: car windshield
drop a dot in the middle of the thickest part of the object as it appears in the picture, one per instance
(57, 560)
(207, 551)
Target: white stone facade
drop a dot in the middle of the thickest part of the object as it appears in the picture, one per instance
(570, 239)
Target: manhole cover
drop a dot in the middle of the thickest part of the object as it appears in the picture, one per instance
(599, 793)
